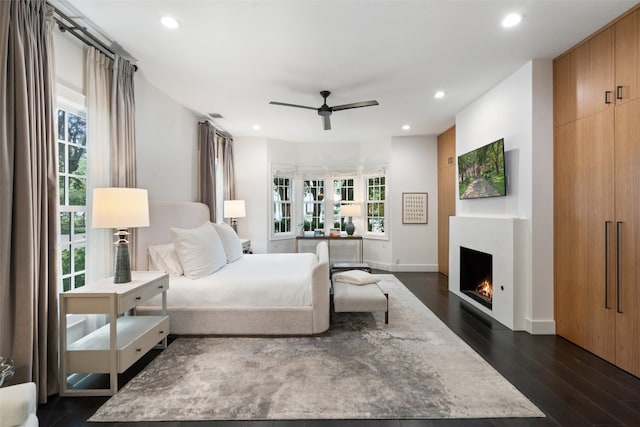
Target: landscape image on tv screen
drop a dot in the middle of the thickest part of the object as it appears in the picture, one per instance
(481, 172)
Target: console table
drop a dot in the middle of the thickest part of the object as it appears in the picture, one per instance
(332, 239)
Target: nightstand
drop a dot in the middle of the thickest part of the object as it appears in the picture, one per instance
(117, 345)
(246, 246)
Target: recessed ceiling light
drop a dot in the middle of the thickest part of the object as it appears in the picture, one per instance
(256, 127)
(406, 127)
(439, 94)
(170, 22)
(511, 20)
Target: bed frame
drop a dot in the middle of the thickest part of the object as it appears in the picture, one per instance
(294, 320)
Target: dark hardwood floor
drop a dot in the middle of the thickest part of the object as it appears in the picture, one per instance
(570, 385)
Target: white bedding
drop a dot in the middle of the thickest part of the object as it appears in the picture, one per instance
(261, 280)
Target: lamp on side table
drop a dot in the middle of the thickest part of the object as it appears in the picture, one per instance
(120, 208)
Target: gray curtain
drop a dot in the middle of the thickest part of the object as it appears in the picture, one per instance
(123, 133)
(207, 166)
(227, 162)
(28, 194)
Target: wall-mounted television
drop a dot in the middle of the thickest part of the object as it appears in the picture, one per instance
(481, 172)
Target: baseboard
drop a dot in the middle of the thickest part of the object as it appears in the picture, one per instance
(540, 327)
(429, 268)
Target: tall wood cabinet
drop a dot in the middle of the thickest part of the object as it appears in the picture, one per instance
(446, 194)
(596, 206)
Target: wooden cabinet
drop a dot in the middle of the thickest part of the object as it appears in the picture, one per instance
(626, 288)
(447, 192)
(583, 79)
(596, 211)
(627, 58)
(114, 347)
(583, 201)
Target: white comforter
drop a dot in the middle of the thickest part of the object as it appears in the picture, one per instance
(260, 280)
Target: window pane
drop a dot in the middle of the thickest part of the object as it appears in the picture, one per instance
(61, 162)
(66, 260)
(61, 133)
(77, 191)
(79, 225)
(77, 130)
(65, 227)
(78, 259)
(79, 281)
(77, 160)
(61, 188)
(66, 284)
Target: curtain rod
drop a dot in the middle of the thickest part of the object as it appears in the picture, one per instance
(82, 34)
(218, 131)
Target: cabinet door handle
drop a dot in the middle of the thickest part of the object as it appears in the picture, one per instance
(618, 299)
(607, 97)
(618, 92)
(606, 264)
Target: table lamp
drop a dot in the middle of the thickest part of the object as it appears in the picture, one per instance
(350, 211)
(120, 208)
(234, 209)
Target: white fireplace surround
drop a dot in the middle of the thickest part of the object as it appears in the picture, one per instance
(494, 236)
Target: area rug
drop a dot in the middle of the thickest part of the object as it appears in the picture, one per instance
(414, 367)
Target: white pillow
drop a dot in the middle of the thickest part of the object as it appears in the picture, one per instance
(230, 241)
(165, 258)
(199, 249)
(356, 277)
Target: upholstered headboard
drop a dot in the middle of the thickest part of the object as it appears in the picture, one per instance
(162, 216)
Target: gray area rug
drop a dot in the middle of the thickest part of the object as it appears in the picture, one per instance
(414, 367)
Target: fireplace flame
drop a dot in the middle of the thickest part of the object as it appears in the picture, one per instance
(485, 289)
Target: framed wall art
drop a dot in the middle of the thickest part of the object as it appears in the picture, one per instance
(414, 208)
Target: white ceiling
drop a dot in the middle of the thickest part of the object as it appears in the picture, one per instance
(233, 57)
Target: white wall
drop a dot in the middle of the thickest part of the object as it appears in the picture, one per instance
(519, 110)
(414, 169)
(166, 144)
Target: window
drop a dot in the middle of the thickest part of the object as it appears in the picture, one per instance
(72, 186)
(376, 197)
(313, 206)
(282, 197)
(343, 191)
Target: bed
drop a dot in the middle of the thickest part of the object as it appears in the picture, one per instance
(258, 294)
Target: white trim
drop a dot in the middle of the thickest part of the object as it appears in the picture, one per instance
(72, 101)
(540, 327)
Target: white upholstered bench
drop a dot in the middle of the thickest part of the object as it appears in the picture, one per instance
(348, 297)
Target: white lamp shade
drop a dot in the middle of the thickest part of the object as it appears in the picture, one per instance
(350, 210)
(120, 208)
(234, 209)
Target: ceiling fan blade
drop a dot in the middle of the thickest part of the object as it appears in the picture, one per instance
(293, 105)
(326, 120)
(354, 105)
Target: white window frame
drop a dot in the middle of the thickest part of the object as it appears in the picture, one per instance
(73, 103)
(272, 218)
(321, 203)
(336, 204)
(371, 234)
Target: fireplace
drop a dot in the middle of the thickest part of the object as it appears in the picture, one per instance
(476, 275)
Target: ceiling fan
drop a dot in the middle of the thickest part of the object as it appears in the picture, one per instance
(325, 111)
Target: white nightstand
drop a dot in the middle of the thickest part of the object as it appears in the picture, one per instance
(246, 246)
(117, 345)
